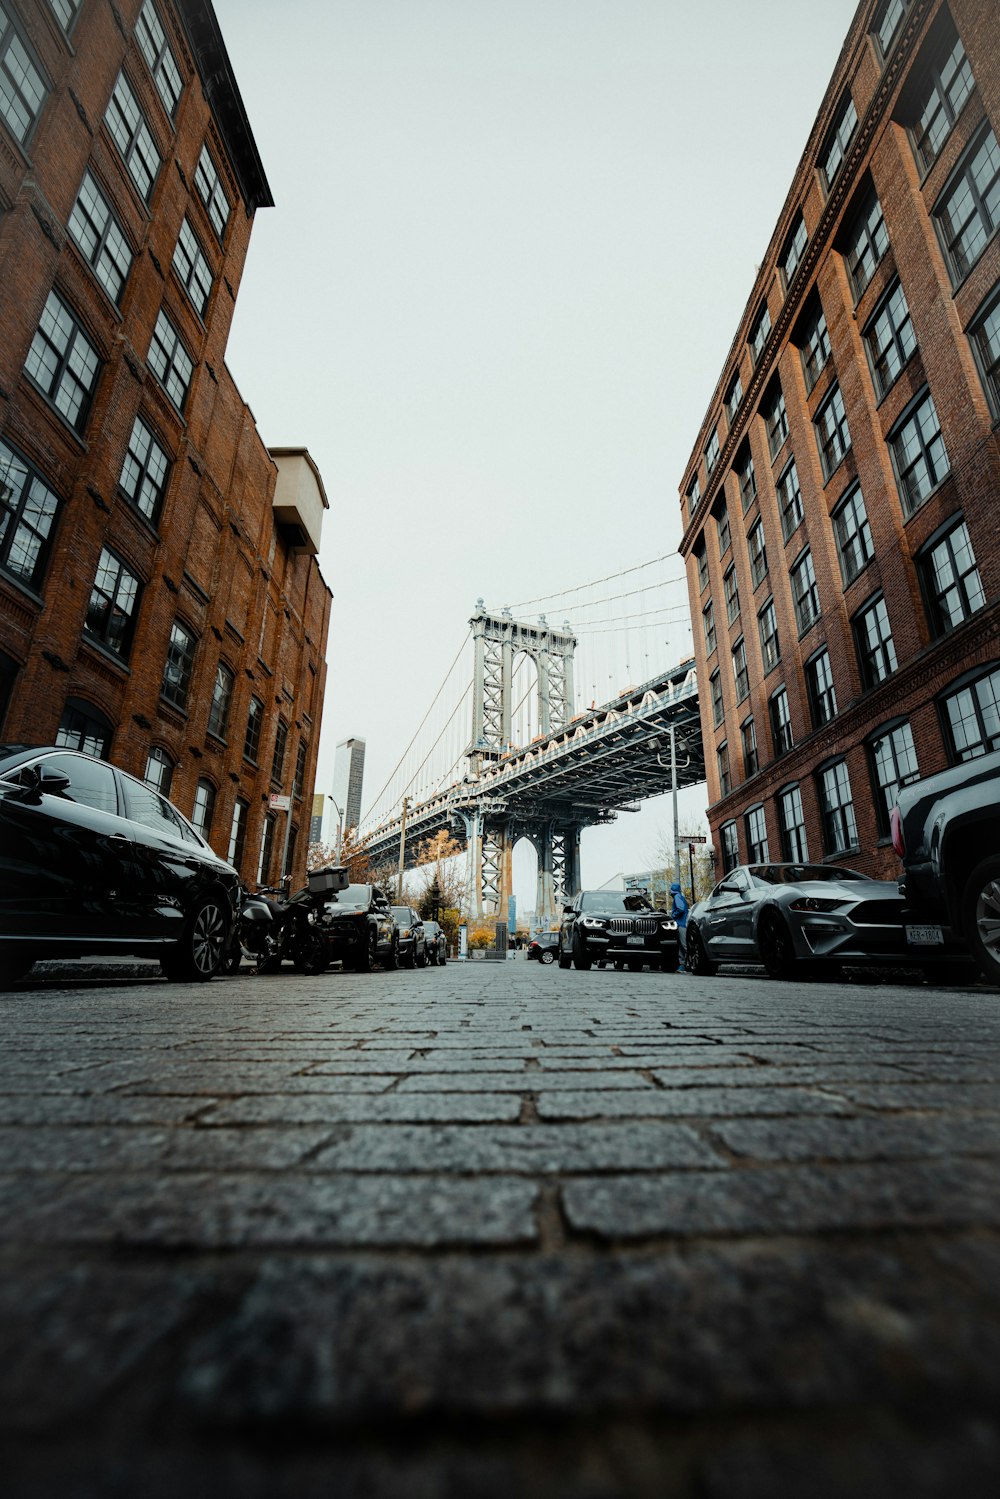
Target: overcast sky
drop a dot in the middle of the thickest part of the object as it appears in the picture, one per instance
(511, 243)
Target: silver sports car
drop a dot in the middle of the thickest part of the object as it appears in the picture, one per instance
(797, 917)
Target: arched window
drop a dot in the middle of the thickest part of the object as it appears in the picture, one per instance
(84, 727)
(159, 770)
(204, 806)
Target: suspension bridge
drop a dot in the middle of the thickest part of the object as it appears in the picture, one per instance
(515, 757)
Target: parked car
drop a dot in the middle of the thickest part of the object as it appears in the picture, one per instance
(436, 943)
(544, 948)
(796, 918)
(360, 929)
(93, 861)
(412, 947)
(946, 830)
(609, 925)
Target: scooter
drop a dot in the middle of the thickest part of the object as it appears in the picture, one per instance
(270, 930)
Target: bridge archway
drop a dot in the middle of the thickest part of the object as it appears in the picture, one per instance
(526, 865)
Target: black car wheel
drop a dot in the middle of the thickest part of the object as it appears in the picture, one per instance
(581, 958)
(421, 959)
(199, 954)
(635, 965)
(981, 917)
(698, 961)
(408, 960)
(312, 955)
(565, 959)
(13, 966)
(391, 961)
(774, 941)
(547, 956)
(442, 958)
(367, 952)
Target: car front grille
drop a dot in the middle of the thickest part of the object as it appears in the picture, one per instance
(878, 913)
(638, 926)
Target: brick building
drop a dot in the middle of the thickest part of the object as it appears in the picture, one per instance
(840, 502)
(160, 600)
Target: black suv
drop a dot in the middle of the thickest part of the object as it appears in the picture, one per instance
(624, 927)
(359, 928)
(412, 946)
(946, 830)
(544, 947)
(94, 861)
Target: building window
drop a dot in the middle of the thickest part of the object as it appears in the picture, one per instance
(28, 510)
(760, 332)
(63, 363)
(114, 601)
(748, 737)
(300, 768)
(238, 833)
(946, 85)
(918, 453)
(132, 136)
(255, 722)
(968, 210)
(145, 471)
(951, 579)
(66, 12)
(701, 559)
(795, 245)
(22, 87)
(819, 685)
(789, 500)
(985, 336)
(775, 421)
(101, 238)
(9, 669)
(888, 20)
(866, 242)
(179, 665)
(170, 361)
(722, 529)
(84, 727)
(889, 339)
(740, 676)
(730, 846)
(159, 770)
(838, 141)
(192, 268)
(715, 691)
(732, 594)
(893, 764)
(781, 722)
(794, 845)
(266, 848)
(708, 624)
(805, 594)
(209, 189)
(734, 396)
(204, 806)
(746, 477)
(832, 433)
(973, 717)
(158, 54)
(278, 758)
(756, 831)
(758, 553)
(840, 831)
(712, 451)
(725, 774)
(770, 647)
(814, 343)
(854, 538)
(874, 643)
(222, 696)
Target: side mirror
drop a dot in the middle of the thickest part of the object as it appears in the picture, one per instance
(729, 889)
(34, 782)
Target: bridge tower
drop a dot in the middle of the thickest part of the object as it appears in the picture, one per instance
(490, 830)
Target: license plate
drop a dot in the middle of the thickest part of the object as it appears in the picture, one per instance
(636, 941)
(925, 936)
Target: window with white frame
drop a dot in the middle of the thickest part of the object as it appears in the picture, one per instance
(832, 434)
(972, 714)
(23, 89)
(968, 210)
(159, 56)
(211, 192)
(893, 761)
(874, 643)
(101, 238)
(63, 362)
(28, 511)
(952, 584)
(159, 770)
(919, 456)
(855, 547)
(840, 831)
(792, 821)
(133, 137)
(889, 339)
(170, 361)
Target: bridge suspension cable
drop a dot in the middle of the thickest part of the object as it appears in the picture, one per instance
(547, 598)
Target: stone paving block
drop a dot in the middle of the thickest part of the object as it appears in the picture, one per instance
(792, 1200)
(218, 1211)
(521, 1082)
(525, 1148)
(872, 1138)
(956, 1097)
(394, 1108)
(103, 1108)
(692, 1101)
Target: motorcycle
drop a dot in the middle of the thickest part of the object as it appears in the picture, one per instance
(270, 930)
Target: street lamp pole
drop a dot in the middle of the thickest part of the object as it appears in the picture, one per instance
(402, 849)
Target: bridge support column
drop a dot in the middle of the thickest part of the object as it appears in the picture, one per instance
(558, 870)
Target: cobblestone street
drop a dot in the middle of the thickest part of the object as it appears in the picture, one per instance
(500, 1230)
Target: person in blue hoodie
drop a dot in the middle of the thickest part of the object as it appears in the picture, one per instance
(679, 912)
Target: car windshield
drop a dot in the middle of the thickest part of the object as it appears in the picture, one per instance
(355, 895)
(402, 915)
(798, 874)
(614, 902)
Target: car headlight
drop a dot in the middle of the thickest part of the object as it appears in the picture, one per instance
(668, 926)
(593, 921)
(814, 903)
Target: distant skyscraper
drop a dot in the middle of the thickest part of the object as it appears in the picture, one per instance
(348, 775)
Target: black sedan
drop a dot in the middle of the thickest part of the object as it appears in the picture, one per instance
(605, 925)
(436, 944)
(93, 861)
(544, 948)
(359, 928)
(412, 946)
(797, 918)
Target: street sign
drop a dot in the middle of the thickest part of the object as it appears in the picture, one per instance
(279, 803)
(693, 838)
